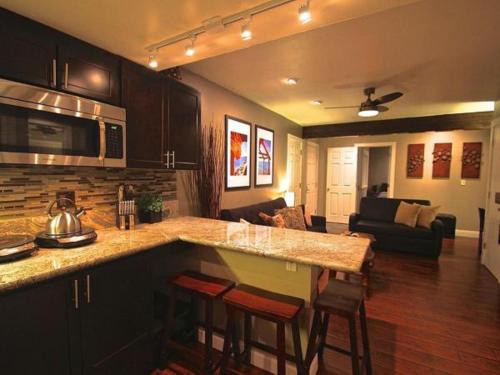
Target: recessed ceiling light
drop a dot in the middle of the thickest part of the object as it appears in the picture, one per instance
(304, 13)
(291, 81)
(317, 102)
(152, 62)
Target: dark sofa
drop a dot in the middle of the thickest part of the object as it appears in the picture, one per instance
(376, 216)
(251, 214)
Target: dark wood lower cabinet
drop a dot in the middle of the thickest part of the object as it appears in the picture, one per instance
(34, 330)
(96, 322)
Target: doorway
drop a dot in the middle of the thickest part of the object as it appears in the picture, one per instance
(294, 167)
(376, 170)
(312, 157)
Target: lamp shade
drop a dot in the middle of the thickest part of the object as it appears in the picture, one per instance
(290, 198)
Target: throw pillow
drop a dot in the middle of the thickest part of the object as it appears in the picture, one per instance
(307, 216)
(293, 216)
(274, 221)
(243, 221)
(407, 214)
(427, 215)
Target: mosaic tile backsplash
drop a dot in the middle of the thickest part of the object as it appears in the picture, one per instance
(27, 191)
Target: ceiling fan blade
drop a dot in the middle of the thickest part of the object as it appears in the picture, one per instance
(349, 106)
(388, 98)
(382, 108)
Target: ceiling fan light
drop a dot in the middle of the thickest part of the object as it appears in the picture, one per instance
(368, 112)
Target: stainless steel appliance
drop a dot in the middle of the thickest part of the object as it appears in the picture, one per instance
(13, 247)
(40, 126)
(65, 229)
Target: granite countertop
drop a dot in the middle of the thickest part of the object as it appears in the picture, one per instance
(319, 249)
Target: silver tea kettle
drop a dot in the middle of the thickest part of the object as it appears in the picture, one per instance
(65, 222)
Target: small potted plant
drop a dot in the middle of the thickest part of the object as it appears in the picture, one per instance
(150, 208)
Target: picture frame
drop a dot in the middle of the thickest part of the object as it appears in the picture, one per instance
(237, 160)
(472, 159)
(264, 156)
(441, 160)
(415, 160)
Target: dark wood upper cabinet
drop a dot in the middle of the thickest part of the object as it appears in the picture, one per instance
(34, 330)
(183, 115)
(28, 50)
(142, 93)
(87, 70)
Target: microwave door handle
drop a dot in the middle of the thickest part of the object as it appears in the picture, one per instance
(102, 141)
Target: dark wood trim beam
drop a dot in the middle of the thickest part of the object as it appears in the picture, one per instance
(465, 121)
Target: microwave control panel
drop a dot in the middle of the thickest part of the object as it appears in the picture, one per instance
(114, 141)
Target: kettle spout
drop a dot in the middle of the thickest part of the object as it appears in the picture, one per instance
(80, 212)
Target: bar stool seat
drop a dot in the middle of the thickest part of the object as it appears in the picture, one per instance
(204, 287)
(262, 302)
(278, 308)
(345, 299)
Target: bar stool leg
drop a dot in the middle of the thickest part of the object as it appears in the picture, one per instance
(208, 333)
(299, 361)
(281, 350)
(311, 346)
(168, 323)
(364, 333)
(322, 337)
(354, 345)
(247, 338)
(228, 337)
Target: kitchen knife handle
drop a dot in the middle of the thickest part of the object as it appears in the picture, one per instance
(75, 294)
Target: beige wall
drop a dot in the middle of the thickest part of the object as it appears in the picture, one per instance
(216, 102)
(462, 201)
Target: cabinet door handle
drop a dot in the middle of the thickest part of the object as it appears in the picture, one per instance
(66, 74)
(102, 140)
(54, 73)
(88, 289)
(173, 160)
(75, 294)
(167, 163)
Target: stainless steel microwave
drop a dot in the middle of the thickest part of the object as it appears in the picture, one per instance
(40, 126)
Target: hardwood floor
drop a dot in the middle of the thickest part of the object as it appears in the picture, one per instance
(427, 317)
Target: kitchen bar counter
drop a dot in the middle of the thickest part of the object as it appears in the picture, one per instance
(315, 249)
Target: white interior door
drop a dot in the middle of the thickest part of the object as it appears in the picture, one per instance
(294, 167)
(341, 183)
(312, 177)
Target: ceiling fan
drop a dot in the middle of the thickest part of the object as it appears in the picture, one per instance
(372, 107)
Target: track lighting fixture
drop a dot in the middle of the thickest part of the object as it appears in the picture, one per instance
(152, 61)
(291, 81)
(190, 50)
(304, 13)
(246, 32)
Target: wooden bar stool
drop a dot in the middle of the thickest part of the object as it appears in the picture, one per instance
(202, 286)
(274, 307)
(344, 299)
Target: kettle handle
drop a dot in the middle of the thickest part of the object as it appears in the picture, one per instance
(49, 212)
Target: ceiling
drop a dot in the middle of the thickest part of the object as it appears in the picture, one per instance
(443, 55)
(127, 27)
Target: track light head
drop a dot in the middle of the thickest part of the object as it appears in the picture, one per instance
(190, 50)
(246, 32)
(152, 61)
(304, 13)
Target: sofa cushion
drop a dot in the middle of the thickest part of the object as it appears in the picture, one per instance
(383, 209)
(407, 214)
(293, 216)
(426, 216)
(275, 221)
(397, 230)
(251, 213)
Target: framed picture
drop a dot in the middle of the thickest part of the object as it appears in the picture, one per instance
(238, 161)
(264, 156)
(415, 161)
(471, 160)
(441, 160)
